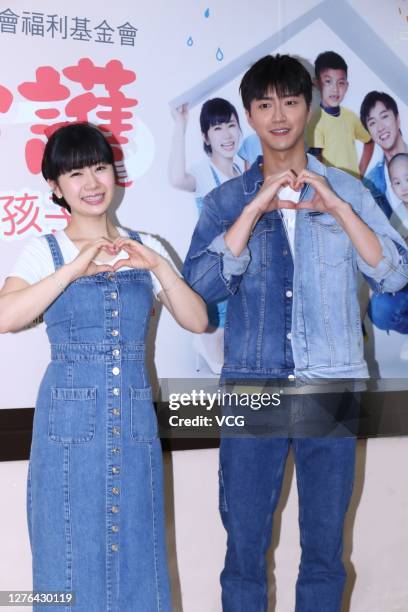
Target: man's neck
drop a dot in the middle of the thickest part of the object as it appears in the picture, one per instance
(279, 161)
(399, 147)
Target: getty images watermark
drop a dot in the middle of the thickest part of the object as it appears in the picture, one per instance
(210, 402)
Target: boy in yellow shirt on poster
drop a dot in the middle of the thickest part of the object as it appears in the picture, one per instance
(333, 129)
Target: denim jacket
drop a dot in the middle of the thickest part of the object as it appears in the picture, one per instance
(288, 319)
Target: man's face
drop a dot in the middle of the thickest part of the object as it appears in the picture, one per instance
(399, 178)
(279, 121)
(383, 126)
(333, 85)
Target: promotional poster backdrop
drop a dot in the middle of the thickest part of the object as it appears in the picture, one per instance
(125, 68)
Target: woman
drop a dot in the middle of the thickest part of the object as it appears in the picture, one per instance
(95, 479)
(221, 133)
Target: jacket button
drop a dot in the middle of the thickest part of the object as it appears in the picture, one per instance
(288, 294)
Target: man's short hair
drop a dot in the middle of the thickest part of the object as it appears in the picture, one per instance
(282, 73)
(371, 100)
(329, 60)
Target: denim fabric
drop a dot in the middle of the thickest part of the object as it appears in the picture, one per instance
(95, 501)
(285, 321)
(376, 183)
(216, 311)
(388, 312)
(251, 473)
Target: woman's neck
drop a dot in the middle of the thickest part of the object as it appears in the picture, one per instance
(224, 164)
(80, 229)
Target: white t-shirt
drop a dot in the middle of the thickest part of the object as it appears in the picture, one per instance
(35, 261)
(289, 215)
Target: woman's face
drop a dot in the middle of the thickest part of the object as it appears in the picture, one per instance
(88, 191)
(223, 138)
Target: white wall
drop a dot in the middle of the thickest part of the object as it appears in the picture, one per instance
(376, 533)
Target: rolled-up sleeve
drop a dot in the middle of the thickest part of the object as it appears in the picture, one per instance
(391, 273)
(210, 267)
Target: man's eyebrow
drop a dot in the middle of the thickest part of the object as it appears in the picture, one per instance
(285, 95)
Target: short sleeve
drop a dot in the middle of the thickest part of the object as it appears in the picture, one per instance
(314, 131)
(250, 149)
(157, 246)
(34, 262)
(360, 133)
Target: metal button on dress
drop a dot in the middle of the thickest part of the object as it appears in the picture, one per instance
(115, 528)
(115, 491)
(110, 276)
(115, 509)
(116, 431)
(114, 295)
(115, 451)
(115, 332)
(115, 371)
(291, 377)
(289, 294)
(116, 352)
(116, 411)
(289, 336)
(115, 313)
(115, 547)
(116, 391)
(115, 470)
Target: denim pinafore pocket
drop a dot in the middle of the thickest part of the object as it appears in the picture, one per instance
(72, 415)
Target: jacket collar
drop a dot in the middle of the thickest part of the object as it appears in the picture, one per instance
(253, 177)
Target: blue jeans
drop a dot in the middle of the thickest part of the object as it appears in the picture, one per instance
(251, 473)
(389, 311)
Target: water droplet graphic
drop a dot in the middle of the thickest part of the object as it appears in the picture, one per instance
(190, 41)
(207, 13)
(219, 55)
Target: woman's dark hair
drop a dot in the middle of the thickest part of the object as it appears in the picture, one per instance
(73, 147)
(282, 73)
(214, 112)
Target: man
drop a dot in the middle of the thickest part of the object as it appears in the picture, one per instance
(289, 272)
(379, 114)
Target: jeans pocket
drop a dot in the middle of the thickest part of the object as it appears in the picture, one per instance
(72, 415)
(142, 415)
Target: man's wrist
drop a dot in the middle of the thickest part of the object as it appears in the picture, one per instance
(253, 211)
(341, 210)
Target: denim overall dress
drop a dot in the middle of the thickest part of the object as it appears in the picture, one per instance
(95, 499)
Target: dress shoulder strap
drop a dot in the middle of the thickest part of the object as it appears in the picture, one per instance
(134, 236)
(55, 249)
